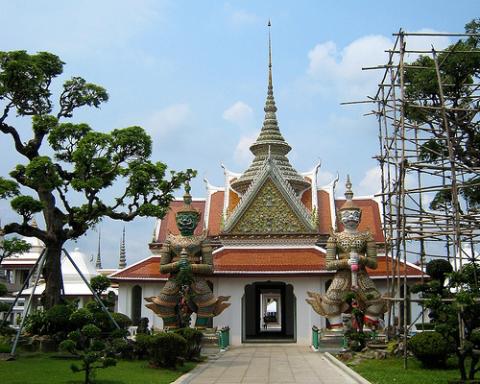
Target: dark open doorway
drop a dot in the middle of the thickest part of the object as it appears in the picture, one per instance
(269, 312)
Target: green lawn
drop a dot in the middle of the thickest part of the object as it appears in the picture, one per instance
(391, 371)
(42, 369)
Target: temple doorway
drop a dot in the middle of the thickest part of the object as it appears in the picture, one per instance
(268, 312)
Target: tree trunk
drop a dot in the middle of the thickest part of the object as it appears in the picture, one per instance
(52, 272)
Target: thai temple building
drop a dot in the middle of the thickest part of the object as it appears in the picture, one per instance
(16, 268)
(269, 227)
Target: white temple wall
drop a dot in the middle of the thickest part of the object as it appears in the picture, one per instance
(306, 317)
(148, 289)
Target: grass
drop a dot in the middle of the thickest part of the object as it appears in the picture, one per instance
(41, 369)
(391, 371)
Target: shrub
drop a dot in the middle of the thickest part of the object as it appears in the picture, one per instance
(122, 348)
(3, 289)
(430, 348)
(100, 284)
(193, 337)
(57, 319)
(165, 349)
(122, 320)
(81, 317)
(141, 346)
(6, 330)
(356, 340)
(438, 269)
(35, 323)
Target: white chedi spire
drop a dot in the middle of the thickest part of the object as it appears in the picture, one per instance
(123, 258)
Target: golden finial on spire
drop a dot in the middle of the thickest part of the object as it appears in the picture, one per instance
(348, 189)
(269, 45)
(270, 82)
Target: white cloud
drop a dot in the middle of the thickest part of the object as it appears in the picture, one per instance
(425, 43)
(82, 27)
(168, 120)
(240, 114)
(339, 70)
(371, 182)
(241, 17)
(324, 178)
(242, 154)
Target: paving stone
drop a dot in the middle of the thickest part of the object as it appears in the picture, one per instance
(283, 364)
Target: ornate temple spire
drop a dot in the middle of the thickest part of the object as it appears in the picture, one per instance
(348, 189)
(349, 203)
(98, 263)
(270, 143)
(123, 259)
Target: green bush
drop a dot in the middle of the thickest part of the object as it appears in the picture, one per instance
(3, 289)
(81, 317)
(35, 324)
(122, 320)
(100, 284)
(356, 340)
(438, 269)
(122, 348)
(193, 337)
(141, 346)
(165, 349)
(430, 348)
(57, 319)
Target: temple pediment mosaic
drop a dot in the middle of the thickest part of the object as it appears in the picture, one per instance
(269, 212)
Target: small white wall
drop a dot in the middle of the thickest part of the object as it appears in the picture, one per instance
(148, 289)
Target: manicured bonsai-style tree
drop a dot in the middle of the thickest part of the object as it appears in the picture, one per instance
(67, 167)
(453, 302)
(92, 351)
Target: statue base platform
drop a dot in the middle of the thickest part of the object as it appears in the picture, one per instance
(331, 340)
(210, 342)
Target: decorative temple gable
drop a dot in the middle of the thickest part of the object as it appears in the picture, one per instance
(269, 213)
(270, 206)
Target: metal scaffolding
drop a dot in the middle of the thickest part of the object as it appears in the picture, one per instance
(413, 172)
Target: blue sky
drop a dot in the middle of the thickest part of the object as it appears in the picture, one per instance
(194, 75)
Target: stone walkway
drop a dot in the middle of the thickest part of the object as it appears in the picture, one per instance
(268, 364)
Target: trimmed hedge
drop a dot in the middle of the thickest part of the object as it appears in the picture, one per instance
(430, 348)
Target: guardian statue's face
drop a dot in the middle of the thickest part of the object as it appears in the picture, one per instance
(350, 218)
(187, 222)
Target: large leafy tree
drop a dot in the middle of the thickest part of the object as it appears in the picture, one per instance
(67, 166)
(459, 68)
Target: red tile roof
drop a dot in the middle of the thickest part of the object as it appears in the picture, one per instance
(146, 269)
(235, 261)
(386, 270)
(269, 260)
(215, 214)
(324, 213)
